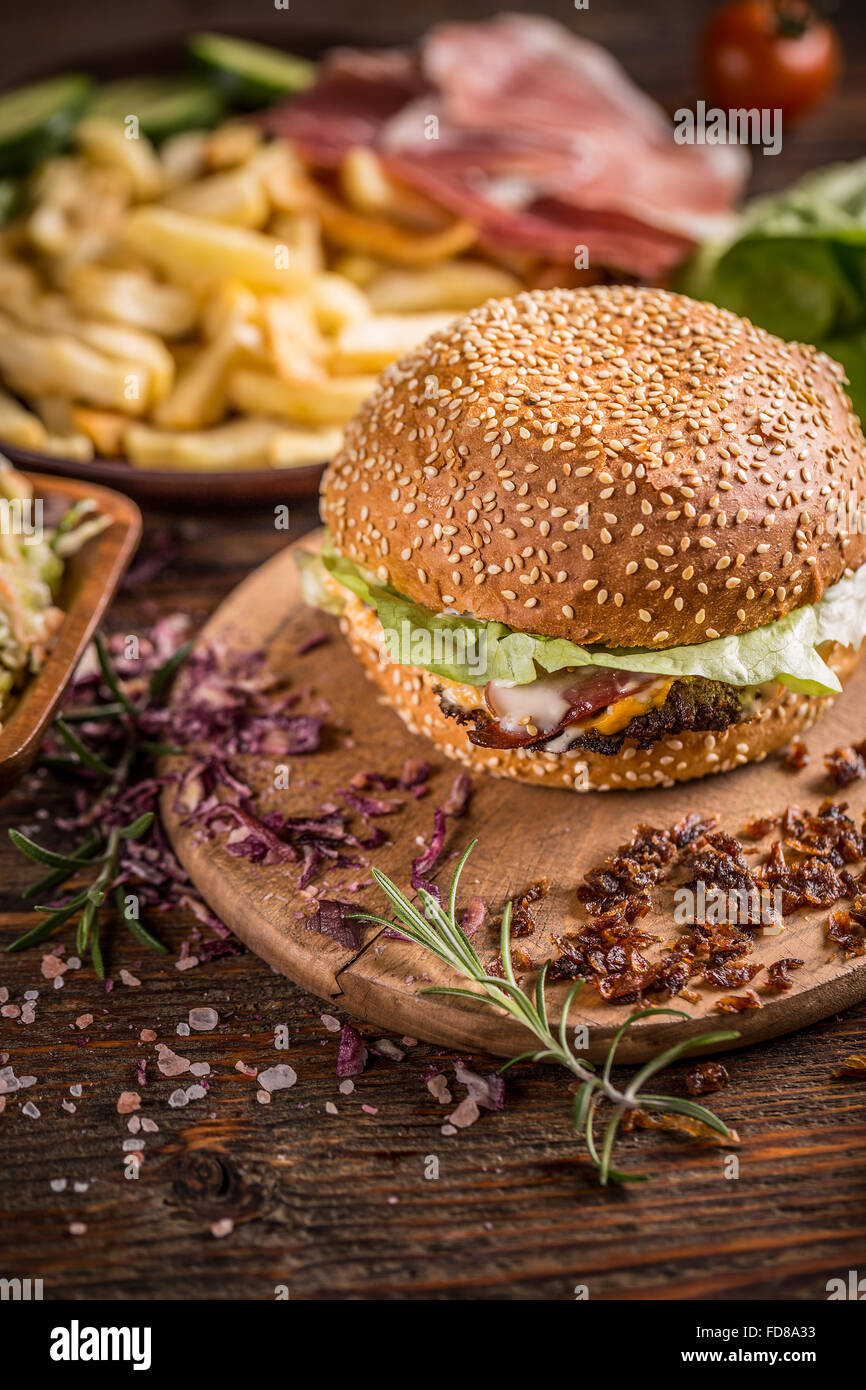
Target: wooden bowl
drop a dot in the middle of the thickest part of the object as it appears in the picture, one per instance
(89, 583)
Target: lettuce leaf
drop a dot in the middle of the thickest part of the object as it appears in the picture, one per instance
(796, 264)
(473, 652)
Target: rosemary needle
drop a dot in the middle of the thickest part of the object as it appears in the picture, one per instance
(437, 929)
(99, 853)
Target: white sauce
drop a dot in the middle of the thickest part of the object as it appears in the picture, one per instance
(539, 703)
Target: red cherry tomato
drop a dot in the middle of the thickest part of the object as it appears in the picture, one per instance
(769, 53)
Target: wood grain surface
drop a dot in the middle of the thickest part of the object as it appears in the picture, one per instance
(337, 1205)
(524, 833)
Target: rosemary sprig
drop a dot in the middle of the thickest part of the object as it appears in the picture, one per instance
(436, 929)
(99, 852)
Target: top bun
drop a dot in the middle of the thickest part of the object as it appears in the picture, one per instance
(615, 465)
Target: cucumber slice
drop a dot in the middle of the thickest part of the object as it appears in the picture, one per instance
(163, 105)
(36, 121)
(251, 74)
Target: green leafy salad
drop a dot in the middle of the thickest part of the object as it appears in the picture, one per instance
(31, 567)
(796, 265)
(786, 650)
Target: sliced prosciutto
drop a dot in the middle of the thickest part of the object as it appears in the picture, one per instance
(520, 716)
(538, 136)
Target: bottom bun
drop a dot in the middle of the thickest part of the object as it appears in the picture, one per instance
(674, 758)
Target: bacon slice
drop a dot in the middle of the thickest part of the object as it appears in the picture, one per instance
(541, 139)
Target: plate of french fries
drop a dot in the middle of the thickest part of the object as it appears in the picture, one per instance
(198, 313)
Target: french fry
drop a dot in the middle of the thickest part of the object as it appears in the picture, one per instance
(379, 236)
(143, 355)
(367, 187)
(336, 301)
(55, 412)
(130, 297)
(199, 395)
(457, 285)
(45, 363)
(370, 344)
(68, 446)
(191, 251)
(105, 428)
(18, 426)
(184, 158)
(361, 270)
(236, 197)
(106, 142)
(332, 403)
(240, 444)
(296, 345)
(233, 143)
(300, 231)
(295, 448)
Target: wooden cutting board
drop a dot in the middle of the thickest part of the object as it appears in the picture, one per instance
(524, 833)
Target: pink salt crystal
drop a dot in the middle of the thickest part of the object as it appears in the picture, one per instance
(147, 1035)
(127, 1102)
(133, 1124)
(186, 963)
(278, 1078)
(149, 1126)
(169, 1063)
(332, 1024)
(129, 979)
(76, 1089)
(438, 1087)
(466, 1113)
(200, 1068)
(263, 1097)
(52, 967)
(370, 1109)
(2, 1104)
(77, 1228)
(245, 1069)
(223, 1227)
(10, 1011)
(84, 1020)
(448, 1129)
(68, 1107)
(346, 1087)
(203, 1020)
(331, 1108)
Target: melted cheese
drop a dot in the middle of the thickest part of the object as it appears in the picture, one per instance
(615, 717)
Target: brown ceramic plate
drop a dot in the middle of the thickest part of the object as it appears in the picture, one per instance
(174, 488)
(89, 583)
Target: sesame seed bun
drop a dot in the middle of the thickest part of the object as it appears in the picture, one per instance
(414, 694)
(616, 465)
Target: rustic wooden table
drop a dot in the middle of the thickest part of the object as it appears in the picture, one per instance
(328, 1204)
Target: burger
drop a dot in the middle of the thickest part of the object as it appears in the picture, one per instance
(601, 538)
